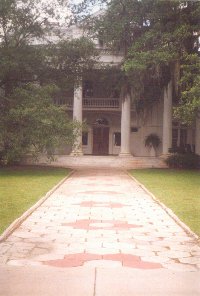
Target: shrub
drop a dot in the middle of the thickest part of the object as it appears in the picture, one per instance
(183, 160)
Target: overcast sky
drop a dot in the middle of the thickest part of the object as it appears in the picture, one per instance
(61, 12)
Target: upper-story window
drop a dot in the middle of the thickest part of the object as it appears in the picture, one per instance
(100, 41)
(88, 89)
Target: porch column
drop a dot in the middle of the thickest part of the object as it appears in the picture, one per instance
(125, 126)
(197, 136)
(77, 116)
(167, 119)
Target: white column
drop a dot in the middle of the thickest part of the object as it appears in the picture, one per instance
(77, 116)
(125, 126)
(197, 136)
(167, 118)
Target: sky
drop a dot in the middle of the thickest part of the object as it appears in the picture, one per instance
(61, 12)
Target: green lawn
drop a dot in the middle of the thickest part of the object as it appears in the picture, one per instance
(21, 187)
(179, 190)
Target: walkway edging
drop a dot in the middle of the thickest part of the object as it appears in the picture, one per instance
(167, 210)
(15, 224)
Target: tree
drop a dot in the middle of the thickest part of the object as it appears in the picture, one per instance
(32, 124)
(158, 39)
(70, 60)
(33, 70)
(168, 51)
(189, 104)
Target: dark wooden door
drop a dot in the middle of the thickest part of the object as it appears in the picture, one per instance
(100, 140)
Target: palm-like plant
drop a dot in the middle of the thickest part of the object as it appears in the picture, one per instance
(152, 140)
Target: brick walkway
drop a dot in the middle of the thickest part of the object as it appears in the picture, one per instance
(101, 219)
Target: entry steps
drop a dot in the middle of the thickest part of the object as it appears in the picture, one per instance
(91, 161)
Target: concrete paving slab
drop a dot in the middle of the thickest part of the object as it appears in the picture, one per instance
(46, 281)
(129, 282)
(98, 219)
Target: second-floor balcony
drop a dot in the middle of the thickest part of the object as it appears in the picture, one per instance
(92, 103)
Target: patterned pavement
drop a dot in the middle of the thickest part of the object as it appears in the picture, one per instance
(101, 218)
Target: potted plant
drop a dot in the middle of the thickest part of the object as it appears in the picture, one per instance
(152, 141)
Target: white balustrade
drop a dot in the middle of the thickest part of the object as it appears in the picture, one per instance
(91, 103)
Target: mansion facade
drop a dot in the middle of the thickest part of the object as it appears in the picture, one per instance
(114, 124)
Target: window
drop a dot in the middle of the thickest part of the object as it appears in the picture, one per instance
(88, 89)
(114, 93)
(179, 136)
(183, 137)
(134, 129)
(174, 138)
(101, 43)
(117, 139)
(85, 138)
(100, 39)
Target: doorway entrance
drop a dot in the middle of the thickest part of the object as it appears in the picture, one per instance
(101, 137)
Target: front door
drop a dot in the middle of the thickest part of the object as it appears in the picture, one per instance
(100, 140)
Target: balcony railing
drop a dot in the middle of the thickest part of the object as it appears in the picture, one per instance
(68, 102)
(101, 103)
(91, 103)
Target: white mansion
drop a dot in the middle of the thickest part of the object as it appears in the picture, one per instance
(115, 127)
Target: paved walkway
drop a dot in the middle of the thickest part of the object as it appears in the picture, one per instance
(95, 221)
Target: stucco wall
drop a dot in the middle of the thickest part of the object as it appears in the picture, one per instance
(147, 122)
(142, 124)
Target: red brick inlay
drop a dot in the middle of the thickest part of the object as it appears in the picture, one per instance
(73, 260)
(87, 224)
(79, 259)
(90, 204)
(132, 261)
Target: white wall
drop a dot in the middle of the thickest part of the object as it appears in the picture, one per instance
(150, 123)
(147, 123)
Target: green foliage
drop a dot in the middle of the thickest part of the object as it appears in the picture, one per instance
(189, 105)
(167, 37)
(20, 26)
(31, 123)
(71, 59)
(183, 161)
(156, 38)
(33, 72)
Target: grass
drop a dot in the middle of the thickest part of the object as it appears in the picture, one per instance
(179, 190)
(21, 187)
